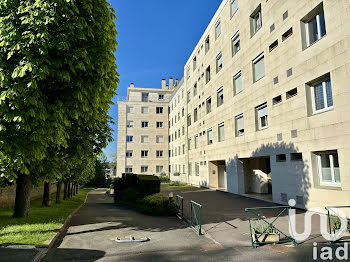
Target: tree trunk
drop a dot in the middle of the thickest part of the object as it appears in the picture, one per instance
(65, 191)
(69, 191)
(22, 201)
(58, 192)
(47, 195)
(77, 189)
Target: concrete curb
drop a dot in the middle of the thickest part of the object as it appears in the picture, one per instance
(41, 254)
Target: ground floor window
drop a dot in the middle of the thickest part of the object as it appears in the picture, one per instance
(197, 168)
(144, 169)
(328, 168)
(128, 169)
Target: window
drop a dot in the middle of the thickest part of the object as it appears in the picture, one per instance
(128, 153)
(129, 139)
(129, 124)
(188, 74)
(207, 44)
(195, 115)
(159, 139)
(258, 67)
(313, 26)
(189, 120)
(183, 149)
(160, 125)
(188, 96)
(321, 95)
(328, 168)
(220, 96)
(159, 110)
(277, 99)
(183, 130)
(292, 93)
(281, 158)
(144, 139)
(196, 141)
(183, 112)
(128, 169)
(207, 75)
(255, 21)
(262, 116)
(239, 125)
(273, 46)
(296, 157)
(161, 97)
(217, 29)
(144, 153)
(197, 168)
(194, 63)
(129, 109)
(210, 136)
(236, 44)
(287, 34)
(219, 62)
(237, 83)
(190, 169)
(189, 143)
(144, 110)
(144, 169)
(144, 124)
(195, 89)
(208, 105)
(159, 153)
(159, 169)
(144, 97)
(233, 7)
(221, 131)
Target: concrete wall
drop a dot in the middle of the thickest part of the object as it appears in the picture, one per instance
(8, 194)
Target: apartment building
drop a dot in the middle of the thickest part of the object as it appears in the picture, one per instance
(263, 106)
(266, 103)
(143, 130)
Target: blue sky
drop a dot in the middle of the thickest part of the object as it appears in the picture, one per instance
(156, 38)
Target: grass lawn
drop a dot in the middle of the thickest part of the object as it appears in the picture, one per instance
(42, 222)
(179, 186)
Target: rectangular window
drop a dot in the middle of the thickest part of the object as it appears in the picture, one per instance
(277, 99)
(210, 136)
(129, 139)
(255, 21)
(220, 96)
(144, 124)
(183, 149)
(219, 62)
(287, 34)
(189, 120)
(221, 131)
(313, 26)
(160, 125)
(328, 168)
(159, 110)
(188, 96)
(208, 105)
(237, 83)
(292, 93)
(258, 67)
(129, 109)
(129, 124)
(273, 45)
(217, 29)
(144, 169)
(207, 75)
(197, 168)
(144, 153)
(144, 110)
(236, 44)
(196, 141)
(207, 44)
(261, 112)
(160, 139)
(128, 169)
(128, 153)
(159, 153)
(160, 97)
(189, 143)
(233, 7)
(188, 74)
(239, 125)
(144, 139)
(144, 97)
(321, 96)
(190, 169)
(183, 112)
(159, 169)
(195, 89)
(194, 63)
(195, 115)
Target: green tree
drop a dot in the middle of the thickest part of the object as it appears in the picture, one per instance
(57, 74)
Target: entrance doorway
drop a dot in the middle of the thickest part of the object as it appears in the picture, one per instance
(217, 174)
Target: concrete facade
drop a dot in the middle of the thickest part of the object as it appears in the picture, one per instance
(294, 66)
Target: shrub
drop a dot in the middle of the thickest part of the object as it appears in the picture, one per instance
(164, 179)
(129, 195)
(158, 204)
(176, 174)
(119, 186)
(130, 179)
(148, 185)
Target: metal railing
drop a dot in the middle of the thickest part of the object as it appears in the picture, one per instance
(180, 207)
(334, 223)
(262, 237)
(196, 217)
